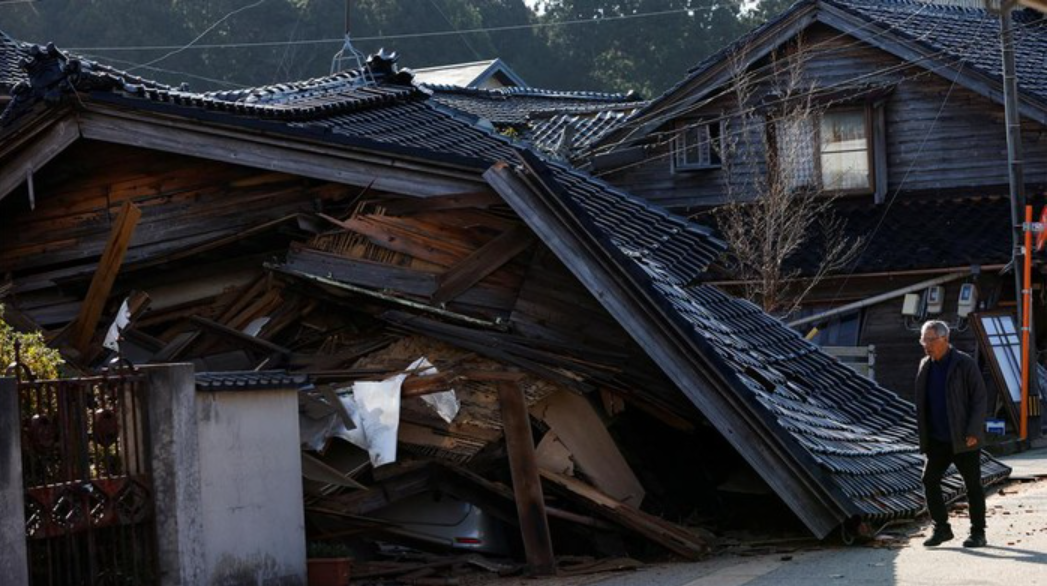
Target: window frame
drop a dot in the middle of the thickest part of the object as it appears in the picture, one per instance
(678, 150)
(870, 145)
(874, 119)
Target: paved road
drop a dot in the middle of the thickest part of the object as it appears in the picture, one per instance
(1017, 552)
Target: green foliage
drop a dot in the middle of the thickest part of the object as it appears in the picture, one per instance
(43, 361)
(644, 54)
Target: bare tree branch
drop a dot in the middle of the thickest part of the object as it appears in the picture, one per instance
(775, 205)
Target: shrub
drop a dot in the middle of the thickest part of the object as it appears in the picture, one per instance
(43, 361)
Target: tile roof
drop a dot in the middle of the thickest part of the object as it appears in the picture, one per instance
(902, 237)
(11, 53)
(250, 380)
(515, 105)
(965, 231)
(584, 129)
(857, 439)
(862, 436)
(949, 30)
(940, 29)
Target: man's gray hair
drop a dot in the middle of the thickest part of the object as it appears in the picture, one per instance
(940, 328)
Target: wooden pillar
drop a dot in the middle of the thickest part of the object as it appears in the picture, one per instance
(527, 484)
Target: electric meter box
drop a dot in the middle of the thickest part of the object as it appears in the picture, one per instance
(968, 300)
(911, 304)
(935, 299)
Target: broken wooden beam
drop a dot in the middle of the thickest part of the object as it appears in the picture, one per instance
(481, 263)
(527, 485)
(239, 336)
(669, 535)
(417, 386)
(86, 322)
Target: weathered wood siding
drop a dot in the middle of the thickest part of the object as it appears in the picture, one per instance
(185, 201)
(898, 352)
(932, 144)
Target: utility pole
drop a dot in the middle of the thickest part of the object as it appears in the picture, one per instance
(1014, 141)
(1017, 185)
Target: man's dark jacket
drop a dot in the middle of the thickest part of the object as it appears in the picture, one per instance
(964, 399)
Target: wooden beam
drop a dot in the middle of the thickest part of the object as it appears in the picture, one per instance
(454, 201)
(486, 260)
(284, 154)
(669, 535)
(239, 336)
(527, 484)
(52, 141)
(102, 283)
(417, 386)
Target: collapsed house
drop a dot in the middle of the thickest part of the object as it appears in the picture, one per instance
(347, 227)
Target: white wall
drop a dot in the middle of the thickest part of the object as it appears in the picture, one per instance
(251, 488)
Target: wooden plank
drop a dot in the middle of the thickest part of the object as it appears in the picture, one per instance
(348, 165)
(417, 386)
(102, 283)
(669, 535)
(486, 260)
(527, 485)
(47, 146)
(239, 336)
(175, 347)
(553, 456)
(454, 201)
(582, 431)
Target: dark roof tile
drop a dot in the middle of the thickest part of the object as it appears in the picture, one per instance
(250, 380)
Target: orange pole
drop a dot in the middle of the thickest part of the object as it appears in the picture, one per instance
(1023, 427)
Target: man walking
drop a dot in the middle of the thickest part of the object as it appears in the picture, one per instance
(950, 416)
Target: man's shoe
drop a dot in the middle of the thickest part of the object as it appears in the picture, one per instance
(975, 540)
(939, 537)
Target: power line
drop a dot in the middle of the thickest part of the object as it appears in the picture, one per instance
(162, 70)
(665, 137)
(670, 135)
(199, 36)
(465, 41)
(392, 37)
(675, 113)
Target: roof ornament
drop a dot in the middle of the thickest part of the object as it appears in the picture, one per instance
(51, 75)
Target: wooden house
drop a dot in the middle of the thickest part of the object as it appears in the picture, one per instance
(904, 128)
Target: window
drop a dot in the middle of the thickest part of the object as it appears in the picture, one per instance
(845, 154)
(696, 145)
(836, 152)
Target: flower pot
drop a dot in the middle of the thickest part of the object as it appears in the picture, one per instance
(329, 571)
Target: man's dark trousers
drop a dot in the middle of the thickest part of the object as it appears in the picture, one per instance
(939, 456)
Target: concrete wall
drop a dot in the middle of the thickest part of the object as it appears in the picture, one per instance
(13, 566)
(227, 484)
(250, 468)
(174, 460)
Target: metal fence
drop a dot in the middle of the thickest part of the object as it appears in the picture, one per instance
(89, 510)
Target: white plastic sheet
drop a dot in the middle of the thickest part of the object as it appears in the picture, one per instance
(112, 337)
(375, 410)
